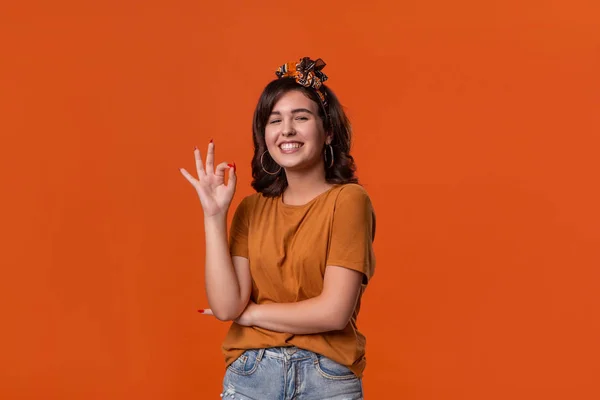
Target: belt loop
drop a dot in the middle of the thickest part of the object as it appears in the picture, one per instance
(260, 355)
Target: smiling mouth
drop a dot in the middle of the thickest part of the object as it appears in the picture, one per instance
(290, 146)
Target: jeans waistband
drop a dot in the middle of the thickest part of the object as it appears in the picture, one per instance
(289, 353)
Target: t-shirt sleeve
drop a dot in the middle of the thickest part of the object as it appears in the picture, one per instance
(353, 232)
(238, 233)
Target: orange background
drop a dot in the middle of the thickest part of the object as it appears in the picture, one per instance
(476, 134)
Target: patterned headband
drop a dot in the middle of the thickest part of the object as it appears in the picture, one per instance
(307, 73)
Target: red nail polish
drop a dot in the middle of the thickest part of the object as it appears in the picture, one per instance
(230, 165)
(234, 167)
(211, 141)
(195, 147)
(201, 311)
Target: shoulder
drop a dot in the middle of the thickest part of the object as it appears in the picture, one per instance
(352, 198)
(353, 209)
(352, 192)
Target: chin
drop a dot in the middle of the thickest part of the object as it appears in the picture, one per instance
(291, 166)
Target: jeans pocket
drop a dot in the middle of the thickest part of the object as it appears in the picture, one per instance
(247, 363)
(332, 370)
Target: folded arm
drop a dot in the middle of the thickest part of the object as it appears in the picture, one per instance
(329, 311)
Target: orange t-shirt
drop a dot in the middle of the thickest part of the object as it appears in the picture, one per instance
(288, 248)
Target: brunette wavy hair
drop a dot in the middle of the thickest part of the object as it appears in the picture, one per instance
(335, 122)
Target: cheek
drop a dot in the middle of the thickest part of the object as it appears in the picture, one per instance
(316, 134)
(271, 142)
(270, 136)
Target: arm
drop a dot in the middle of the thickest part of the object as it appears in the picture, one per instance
(227, 279)
(228, 282)
(329, 311)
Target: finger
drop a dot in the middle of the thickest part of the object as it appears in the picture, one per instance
(198, 158)
(220, 169)
(188, 176)
(210, 157)
(206, 311)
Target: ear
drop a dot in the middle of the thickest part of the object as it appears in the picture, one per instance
(328, 138)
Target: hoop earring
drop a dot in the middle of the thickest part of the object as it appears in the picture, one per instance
(332, 158)
(263, 167)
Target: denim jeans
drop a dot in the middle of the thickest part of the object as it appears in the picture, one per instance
(286, 373)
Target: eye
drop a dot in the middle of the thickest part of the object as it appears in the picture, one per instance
(274, 121)
(302, 118)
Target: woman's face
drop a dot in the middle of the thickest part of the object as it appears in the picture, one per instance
(294, 132)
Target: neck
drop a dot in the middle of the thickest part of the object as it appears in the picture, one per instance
(303, 186)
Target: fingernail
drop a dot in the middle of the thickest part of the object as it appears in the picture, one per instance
(230, 165)
(234, 167)
(201, 311)
(211, 141)
(195, 147)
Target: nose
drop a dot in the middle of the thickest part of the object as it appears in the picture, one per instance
(288, 128)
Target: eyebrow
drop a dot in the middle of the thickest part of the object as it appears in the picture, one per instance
(294, 111)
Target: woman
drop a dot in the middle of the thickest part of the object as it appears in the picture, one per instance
(300, 252)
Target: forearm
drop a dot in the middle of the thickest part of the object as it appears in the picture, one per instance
(314, 315)
(222, 285)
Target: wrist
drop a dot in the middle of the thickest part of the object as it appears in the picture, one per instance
(254, 314)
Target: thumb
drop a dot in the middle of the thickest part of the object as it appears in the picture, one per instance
(206, 311)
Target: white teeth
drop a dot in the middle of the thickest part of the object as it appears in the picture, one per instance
(289, 146)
